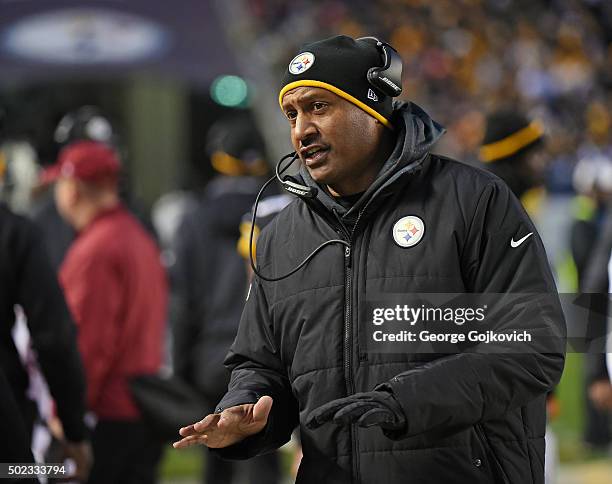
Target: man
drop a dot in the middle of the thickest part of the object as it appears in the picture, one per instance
(87, 123)
(512, 150)
(592, 180)
(596, 283)
(84, 123)
(116, 289)
(27, 280)
(209, 281)
(396, 219)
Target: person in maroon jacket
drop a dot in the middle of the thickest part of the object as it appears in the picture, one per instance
(116, 288)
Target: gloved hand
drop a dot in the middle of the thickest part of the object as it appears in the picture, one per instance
(366, 409)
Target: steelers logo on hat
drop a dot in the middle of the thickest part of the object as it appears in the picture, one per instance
(408, 231)
(301, 63)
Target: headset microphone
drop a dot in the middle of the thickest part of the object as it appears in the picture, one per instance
(298, 189)
(289, 183)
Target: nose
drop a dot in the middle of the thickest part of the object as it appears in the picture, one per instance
(304, 131)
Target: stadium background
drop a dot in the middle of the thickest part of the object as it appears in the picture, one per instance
(164, 71)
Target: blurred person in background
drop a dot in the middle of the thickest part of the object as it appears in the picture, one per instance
(596, 284)
(592, 181)
(512, 149)
(267, 209)
(116, 289)
(28, 281)
(591, 240)
(599, 351)
(19, 171)
(86, 123)
(209, 281)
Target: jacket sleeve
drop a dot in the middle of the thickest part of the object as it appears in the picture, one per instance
(257, 370)
(457, 391)
(95, 307)
(52, 331)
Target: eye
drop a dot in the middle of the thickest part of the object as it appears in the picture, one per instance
(318, 105)
(290, 115)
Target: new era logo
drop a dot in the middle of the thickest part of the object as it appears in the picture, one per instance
(372, 95)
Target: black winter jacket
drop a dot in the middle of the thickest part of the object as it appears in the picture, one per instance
(472, 417)
(209, 283)
(27, 279)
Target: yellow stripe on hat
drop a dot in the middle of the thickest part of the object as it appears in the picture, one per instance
(511, 144)
(229, 165)
(335, 90)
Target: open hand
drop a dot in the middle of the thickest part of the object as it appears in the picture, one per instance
(234, 424)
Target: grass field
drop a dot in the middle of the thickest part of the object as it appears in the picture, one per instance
(570, 422)
(181, 463)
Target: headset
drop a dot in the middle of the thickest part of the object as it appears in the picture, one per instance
(388, 78)
(292, 187)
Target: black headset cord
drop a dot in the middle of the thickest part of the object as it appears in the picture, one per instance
(277, 174)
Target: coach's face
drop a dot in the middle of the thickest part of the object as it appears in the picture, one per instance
(340, 144)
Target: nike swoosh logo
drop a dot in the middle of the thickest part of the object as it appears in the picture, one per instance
(514, 244)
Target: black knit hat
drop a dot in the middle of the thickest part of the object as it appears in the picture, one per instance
(508, 135)
(340, 64)
(236, 147)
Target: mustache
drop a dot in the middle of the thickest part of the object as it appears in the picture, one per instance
(312, 140)
(314, 143)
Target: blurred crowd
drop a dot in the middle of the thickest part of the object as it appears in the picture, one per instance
(549, 58)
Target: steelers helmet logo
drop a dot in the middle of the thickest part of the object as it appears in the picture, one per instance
(408, 231)
(301, 63)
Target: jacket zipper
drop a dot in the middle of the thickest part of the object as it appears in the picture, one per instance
(348, 335)
(348, 274)
(346, 346)
(348, 353)
(484, 439)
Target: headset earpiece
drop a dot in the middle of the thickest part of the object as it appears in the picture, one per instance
(388, 78)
